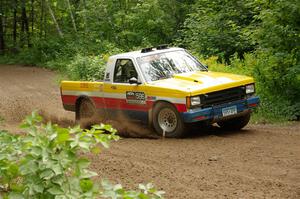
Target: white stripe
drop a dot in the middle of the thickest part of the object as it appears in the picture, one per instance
(87, 93)
(119, 96)
(115, 95)
(173, 100)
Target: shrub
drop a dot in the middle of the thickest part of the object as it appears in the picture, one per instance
(86, 68)
(48, 162)
(277, 82)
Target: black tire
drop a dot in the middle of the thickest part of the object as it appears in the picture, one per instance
(235, 124)
(86, 114)
(177, 128)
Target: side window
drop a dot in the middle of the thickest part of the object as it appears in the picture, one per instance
(124, 70)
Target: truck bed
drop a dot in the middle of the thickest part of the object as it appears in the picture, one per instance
(72, 90)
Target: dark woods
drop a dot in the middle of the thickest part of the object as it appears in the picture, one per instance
(16, 17)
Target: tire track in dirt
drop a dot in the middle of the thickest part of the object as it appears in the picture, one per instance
(262, 161)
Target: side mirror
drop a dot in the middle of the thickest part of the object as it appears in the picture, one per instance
(205, 65)
(134, 80)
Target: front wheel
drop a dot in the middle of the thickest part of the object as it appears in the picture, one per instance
(235, 124)
(167, 121)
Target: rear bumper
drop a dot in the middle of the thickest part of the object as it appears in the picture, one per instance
(214, 113)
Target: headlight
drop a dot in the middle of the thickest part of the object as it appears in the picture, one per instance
(195, 101)
(250, 89)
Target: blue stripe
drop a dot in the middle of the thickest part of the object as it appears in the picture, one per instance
(128, 114)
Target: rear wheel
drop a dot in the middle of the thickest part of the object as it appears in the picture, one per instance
(86, 114)
(167, 121)
(235, 124)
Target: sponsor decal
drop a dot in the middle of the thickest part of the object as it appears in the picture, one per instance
(84, 85)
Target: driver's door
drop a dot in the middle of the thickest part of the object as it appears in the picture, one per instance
(123, 99)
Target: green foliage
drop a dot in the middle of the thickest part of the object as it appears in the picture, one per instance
(130, 24)
(279, 29)
(87, 68)
(220, 28)
(48, 162)
(117, 191)
(279, 85)
(278, 58)
(45, 164)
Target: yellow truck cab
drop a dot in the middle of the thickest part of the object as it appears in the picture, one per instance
(166, 88)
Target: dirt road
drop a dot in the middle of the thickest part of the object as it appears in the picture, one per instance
(262, 161)
(23, 89)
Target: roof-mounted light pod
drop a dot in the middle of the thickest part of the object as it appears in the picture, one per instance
(162, 47)
(146, 50)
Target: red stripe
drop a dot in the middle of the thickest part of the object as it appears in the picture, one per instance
(99, 102)
(252, 105)
(200, 117)
(118, 103)
(181, 107)
(69, 99)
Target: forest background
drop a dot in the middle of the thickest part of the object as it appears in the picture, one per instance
(253, 37)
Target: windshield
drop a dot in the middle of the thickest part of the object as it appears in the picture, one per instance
(165, 65)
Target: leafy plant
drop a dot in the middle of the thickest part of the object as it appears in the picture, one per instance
(48, 162)
(117, 191)
(87, 68)
(221, 28)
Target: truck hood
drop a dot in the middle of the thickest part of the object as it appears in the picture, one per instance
(203, 82)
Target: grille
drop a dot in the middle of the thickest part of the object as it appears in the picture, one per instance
(224, 96)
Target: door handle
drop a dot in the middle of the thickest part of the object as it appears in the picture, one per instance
(113, 87)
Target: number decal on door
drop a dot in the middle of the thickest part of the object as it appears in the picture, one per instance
(133, 97)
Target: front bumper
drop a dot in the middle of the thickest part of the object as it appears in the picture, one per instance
(214, 113)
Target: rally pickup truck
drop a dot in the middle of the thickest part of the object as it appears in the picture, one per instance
(167, 88)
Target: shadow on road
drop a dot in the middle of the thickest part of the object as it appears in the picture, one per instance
(195, 131)
(201, 130)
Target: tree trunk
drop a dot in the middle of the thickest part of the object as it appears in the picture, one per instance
(15, 24)
(24, 25)
(32, 16)
(54, 19)
(72, 17)
(2, 41)
(42, 19)
(85, 18)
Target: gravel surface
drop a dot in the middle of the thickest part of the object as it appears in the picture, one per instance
(261, 161)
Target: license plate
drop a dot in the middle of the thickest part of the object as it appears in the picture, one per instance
(229, 111)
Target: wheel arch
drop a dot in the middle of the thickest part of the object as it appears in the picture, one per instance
(78, 102)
